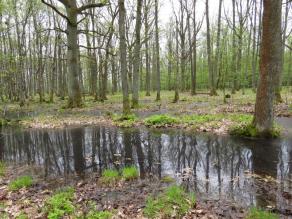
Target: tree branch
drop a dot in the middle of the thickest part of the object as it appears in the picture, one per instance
(93, 5)
(56, 10)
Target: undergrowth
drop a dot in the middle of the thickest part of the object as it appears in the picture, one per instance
(160, 120)
(130, 173)
(19, 183)
(255, 213)
(174, 201)
(124, 121)
(110, 176)
(60, 204)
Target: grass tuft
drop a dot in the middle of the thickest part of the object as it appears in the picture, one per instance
(160, 120)
(174, 201)
(60, 204)
(255, 213)
(99, 215)
(2, 168)
(110, 176)
(130, 173)
(249, 130)
(21, 182)
(124, 121)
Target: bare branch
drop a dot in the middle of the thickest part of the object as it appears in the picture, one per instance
(88, 6)
(55, 9)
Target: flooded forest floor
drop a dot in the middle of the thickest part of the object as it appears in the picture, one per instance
(202, 113)
(90, 196)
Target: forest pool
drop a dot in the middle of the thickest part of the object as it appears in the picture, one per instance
(251, 172)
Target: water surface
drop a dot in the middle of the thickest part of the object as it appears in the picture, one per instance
(217, 167)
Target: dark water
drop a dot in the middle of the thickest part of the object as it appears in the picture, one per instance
(219, 166)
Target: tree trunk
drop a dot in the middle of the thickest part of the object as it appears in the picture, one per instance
(136, 80)
(269, 66)
(209, 52)
(157, 54)
(123, 56)
(74, 91)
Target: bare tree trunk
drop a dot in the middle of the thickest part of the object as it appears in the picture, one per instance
(209, 52)
(217, 65)
(157, 54)
(278, 79)
(269, 66)
(135, 97)
(123, 56)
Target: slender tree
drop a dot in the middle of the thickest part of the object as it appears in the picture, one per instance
(136, 80)
(123, 56)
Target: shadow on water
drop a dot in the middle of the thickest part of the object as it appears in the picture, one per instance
(252, 172)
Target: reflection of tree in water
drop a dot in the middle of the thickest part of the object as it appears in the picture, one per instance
(217, 163)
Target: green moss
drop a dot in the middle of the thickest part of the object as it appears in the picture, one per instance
(130, 173)
(60, 204)
(255, 213)
(163, 205)
(110, 176)
(2, 168)
(99, 215)
(160, 120)
(21, 182)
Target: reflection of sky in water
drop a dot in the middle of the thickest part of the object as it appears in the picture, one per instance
(219, 165)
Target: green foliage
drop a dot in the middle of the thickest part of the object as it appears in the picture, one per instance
(2, 168)
(110, 176)
(60, 204)
(255, 213)
(167, 179)
(173, 201)
(22, 216)
(249, 130)
(160, 120)
(125, 121)
(200, 119)
(99, 215)
(130, 173)
(21, 182)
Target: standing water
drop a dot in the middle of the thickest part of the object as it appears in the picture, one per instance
(251, 172)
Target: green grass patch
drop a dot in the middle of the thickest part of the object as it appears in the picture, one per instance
(21, 182)
(200, 119)
(160, 120)
(22, 216)
(124, 121)
(130, 173)
(99, 215)
(249, 130)
(60, 204)
(167, 179)
(2, 168)
(110, 176)
(174, 201)
(255, 213)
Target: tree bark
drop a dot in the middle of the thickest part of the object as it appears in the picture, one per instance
(269, 66)
(136, 80)
(123, 56)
